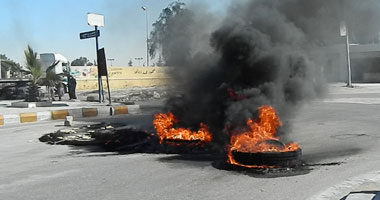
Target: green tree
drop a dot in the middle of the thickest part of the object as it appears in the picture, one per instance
(82, 61)
(165, 30)
(34, 70)
(130, 63)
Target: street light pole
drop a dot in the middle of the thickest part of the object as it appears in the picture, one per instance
(111, 59)
(344, 31)
(349, 81)
(139, 59)
(147, 34)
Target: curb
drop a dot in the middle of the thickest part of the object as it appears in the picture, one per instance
(76, 113)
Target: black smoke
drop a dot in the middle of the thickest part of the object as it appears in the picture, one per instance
(262, 52)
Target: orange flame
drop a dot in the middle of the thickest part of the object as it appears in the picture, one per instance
(253, 139)
(163, 123)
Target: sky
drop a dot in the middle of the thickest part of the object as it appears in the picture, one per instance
(53, 26)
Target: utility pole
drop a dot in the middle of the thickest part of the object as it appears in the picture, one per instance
(349, 81)
(344, 31)
(139, 59)
(110, 59)
(147, 34)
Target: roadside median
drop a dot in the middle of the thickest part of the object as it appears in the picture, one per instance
(76, 113)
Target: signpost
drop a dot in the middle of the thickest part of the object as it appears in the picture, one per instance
(102, 69)
(89, 34)
(97, 20)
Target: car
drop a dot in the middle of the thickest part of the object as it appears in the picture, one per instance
(16, 91)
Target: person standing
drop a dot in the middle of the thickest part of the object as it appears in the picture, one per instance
(60, 91)
(51, 93)
(72, 83)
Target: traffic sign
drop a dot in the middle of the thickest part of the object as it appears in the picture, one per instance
(95, 19)
(102, 65)
(89, 34)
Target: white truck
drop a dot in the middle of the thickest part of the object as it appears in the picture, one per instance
(48, 59)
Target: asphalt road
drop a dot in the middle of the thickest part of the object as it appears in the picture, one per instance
(329, 132)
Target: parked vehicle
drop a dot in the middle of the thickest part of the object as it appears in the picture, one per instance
(48, 59)
(14, 91)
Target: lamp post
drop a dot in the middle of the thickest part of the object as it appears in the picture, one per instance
(139, 59)
(349, 81)
(344, 32)
(110, 59)
(147, 34)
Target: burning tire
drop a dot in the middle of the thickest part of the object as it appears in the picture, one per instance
(268, 159)
(178, 142)
(164, 125)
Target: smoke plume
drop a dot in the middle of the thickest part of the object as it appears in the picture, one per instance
(262, 52)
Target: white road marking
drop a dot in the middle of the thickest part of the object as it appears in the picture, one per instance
(360, 196)
(340, 190)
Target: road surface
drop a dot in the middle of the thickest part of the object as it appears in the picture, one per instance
(344, 128)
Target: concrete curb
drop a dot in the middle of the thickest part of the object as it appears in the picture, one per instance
(77, 113)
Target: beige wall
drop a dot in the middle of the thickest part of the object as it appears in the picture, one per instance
(120, 77)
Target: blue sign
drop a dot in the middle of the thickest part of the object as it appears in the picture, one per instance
(89, 34)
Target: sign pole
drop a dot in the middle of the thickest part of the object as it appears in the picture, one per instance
(95, 20)
(99, 77)
(108, 88)
(102, 69)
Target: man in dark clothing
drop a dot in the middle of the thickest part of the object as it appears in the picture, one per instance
(72, 84)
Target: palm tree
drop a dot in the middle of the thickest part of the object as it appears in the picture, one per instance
(34, 69)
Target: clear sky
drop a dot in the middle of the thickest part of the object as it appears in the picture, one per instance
(53, 26)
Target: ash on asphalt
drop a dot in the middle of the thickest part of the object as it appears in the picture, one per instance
(121, 139)
(301, 169)
(219, 161)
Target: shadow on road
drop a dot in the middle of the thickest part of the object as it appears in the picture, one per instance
(328, 154)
